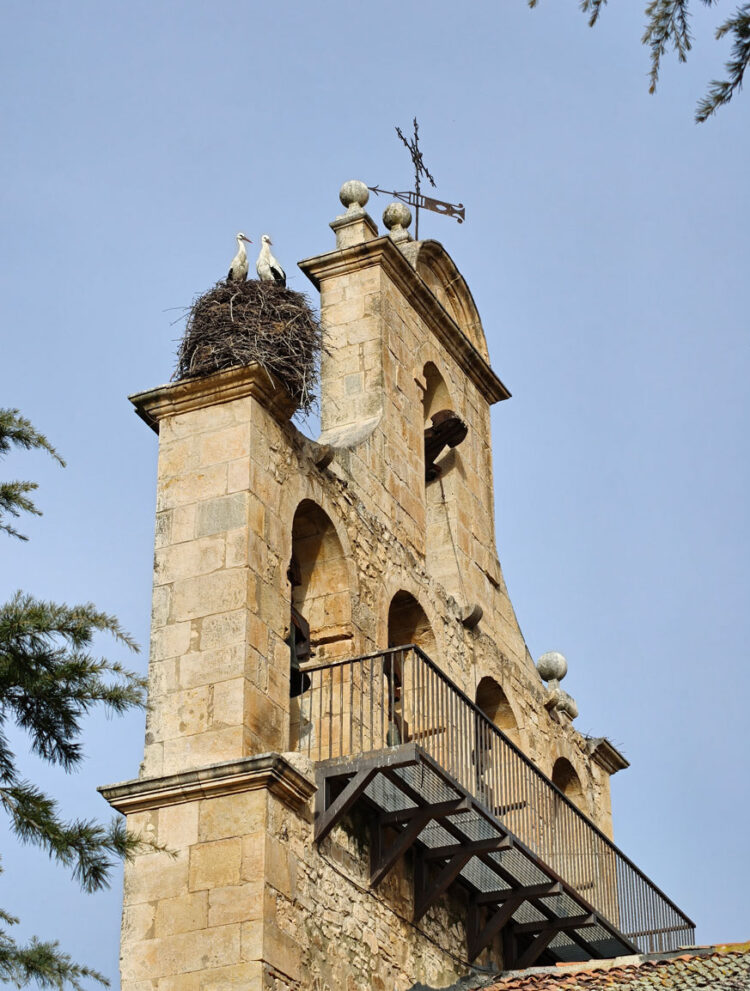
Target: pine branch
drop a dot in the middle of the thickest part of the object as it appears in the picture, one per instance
(42, 963)
(593, 9)
(667, 22)
(17, 430)
(722, 91)
(49, 680)
(87, 848)
(13, 502)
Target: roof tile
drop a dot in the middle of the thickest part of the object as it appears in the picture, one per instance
(722, 968)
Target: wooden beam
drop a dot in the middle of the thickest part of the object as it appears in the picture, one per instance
(510, 948)
(398, 848)
(494, 844)
(493, 926)
(431, 892)
(419, 799)
(532, 952)
(532, 891)
(341, 805)
(509, 938)
(558, 925)
(439, 811)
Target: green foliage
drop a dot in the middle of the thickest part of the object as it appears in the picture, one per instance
(49, 680)
(14, 500)
(42, 963)
(721, 91)
(668, 25)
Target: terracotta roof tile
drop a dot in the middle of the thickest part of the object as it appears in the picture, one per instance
(718, 968)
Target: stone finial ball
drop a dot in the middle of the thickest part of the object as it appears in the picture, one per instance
(354, 193)
(396, 215)
(552, 666)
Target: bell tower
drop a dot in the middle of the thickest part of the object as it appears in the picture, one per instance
(350, 753)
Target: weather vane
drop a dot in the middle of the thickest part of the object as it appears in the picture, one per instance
(416, 198)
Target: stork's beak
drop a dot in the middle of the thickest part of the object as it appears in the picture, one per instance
(247, 239)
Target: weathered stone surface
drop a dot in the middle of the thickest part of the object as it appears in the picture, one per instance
(249, 901)
(215, 864)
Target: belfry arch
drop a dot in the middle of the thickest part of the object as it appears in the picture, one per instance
(444, 431)
(565, 777)
(405, 675)
(320, 626)
(319, 578)
(493, 702)
(408, 623)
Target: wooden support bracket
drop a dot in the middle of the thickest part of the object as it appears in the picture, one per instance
(532, 953)
(532, 891)
(556, 925)
(495, 844)
(341, 805)
(429, 893)
(493, 926)
(388, 856)
(439, 811)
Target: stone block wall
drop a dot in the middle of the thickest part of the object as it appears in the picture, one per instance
(248, 899)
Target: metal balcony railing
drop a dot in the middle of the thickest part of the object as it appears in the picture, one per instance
(364, 704)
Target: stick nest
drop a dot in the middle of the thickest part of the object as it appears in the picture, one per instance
(241, 323)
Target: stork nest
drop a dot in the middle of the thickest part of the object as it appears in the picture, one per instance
(243, 323)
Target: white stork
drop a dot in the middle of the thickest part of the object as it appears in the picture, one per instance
(238, 266)
(267, 267)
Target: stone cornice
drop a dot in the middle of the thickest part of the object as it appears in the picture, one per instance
(606, 755)
(212, 390)
(383, 252)
(264, 771)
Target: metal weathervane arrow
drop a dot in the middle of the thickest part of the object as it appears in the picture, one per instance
(416, 198)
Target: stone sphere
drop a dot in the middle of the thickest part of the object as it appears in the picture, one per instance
(552, 665)
(354, 193)
(396, 215)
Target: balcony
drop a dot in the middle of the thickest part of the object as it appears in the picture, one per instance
(390, 730)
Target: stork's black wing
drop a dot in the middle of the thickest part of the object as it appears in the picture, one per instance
(279, 275)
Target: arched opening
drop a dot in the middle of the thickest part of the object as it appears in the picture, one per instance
(320, 626)
(444, 431)
(405, 675)
(490, 753)
(443, 426)
(319, 578)
(408, 623)
(571, 860)
(566, 779)
(493, 702)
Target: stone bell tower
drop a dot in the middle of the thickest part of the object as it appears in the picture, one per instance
(350, 754)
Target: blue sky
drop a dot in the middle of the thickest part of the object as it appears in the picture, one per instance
(605, 245)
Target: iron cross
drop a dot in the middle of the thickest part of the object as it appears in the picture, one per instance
(416, 198)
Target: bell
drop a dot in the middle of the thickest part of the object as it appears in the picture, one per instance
(299, 649)
(299, 681)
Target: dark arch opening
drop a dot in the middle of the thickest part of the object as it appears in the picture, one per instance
(493, 702)
(566, 779)
(320, 625)
(407, 624)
